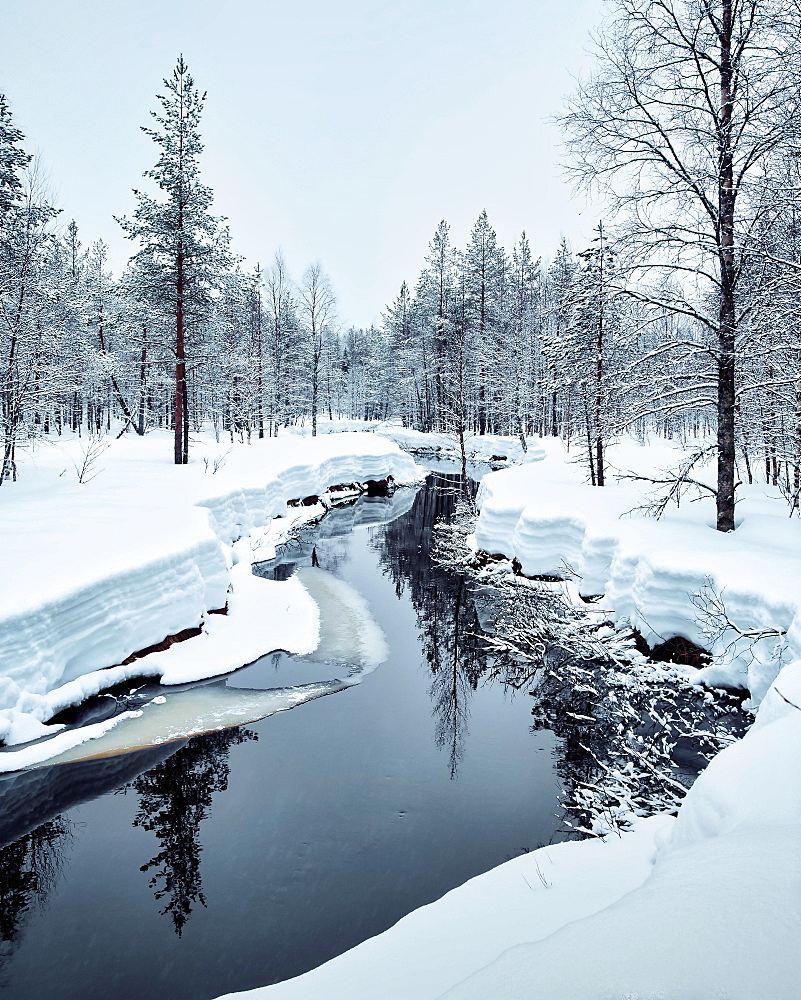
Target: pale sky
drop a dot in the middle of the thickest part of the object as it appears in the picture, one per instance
(338, 131)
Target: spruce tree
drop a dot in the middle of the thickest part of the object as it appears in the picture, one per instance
(184, 249)
(13, 159)
(483, 266)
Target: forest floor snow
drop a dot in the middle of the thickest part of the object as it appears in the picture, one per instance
(704, 905)
(142, 549)
(480, 449)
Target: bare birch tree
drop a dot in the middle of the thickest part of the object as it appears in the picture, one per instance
(317, 313)
(691, 98)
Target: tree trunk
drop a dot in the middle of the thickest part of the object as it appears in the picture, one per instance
(315, 388)
(140, 427)
(727, 316)
(180, 371)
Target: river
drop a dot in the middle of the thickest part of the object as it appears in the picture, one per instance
(247, 856)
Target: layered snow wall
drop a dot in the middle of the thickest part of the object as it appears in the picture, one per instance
(654, 573)
(97, 571)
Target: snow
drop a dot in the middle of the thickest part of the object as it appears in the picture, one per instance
(708, 905)
(98, 570)
(720, 912)
(649, 570)
(478, 447)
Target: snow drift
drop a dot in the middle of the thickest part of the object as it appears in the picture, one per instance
(720, 912)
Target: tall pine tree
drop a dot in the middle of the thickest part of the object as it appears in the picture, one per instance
(184, 248)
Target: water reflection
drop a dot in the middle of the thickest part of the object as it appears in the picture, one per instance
(451, 640)
(174, 798)
(30, 798)
(325, 545)
(448, 609)
(359, 824)
(575, 714)
(29, 869)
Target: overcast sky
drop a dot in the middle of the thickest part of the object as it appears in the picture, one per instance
(338, 131)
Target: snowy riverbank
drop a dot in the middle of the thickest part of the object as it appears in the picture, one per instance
(98, 570)
(654, 573)
(483, 450)
(708, 904)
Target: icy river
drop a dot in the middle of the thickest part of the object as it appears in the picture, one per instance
(247, 856)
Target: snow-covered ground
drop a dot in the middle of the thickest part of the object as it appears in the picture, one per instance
(478, 447)
(707, 905)
(97, 570)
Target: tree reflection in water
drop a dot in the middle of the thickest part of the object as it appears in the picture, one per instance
(447, 609)
(29, 869)
(174, 798)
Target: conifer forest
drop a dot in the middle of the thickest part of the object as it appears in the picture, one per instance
(680, 316)
(400, 500)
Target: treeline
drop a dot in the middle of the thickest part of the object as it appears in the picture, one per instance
(681, 317)
(187, 337)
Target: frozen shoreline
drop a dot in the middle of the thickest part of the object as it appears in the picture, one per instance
(653, 573)
(704, 905)
(718, 886)
(106, 568)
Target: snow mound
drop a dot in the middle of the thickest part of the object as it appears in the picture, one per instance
(719, 914)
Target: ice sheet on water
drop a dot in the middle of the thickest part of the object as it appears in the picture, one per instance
(349, 634)
(351, 643)
(196, 710)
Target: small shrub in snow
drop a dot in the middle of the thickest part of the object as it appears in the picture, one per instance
(86, 468)
(733, 639)
(213, 463)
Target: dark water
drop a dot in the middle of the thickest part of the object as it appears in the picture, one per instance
(248, 856)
